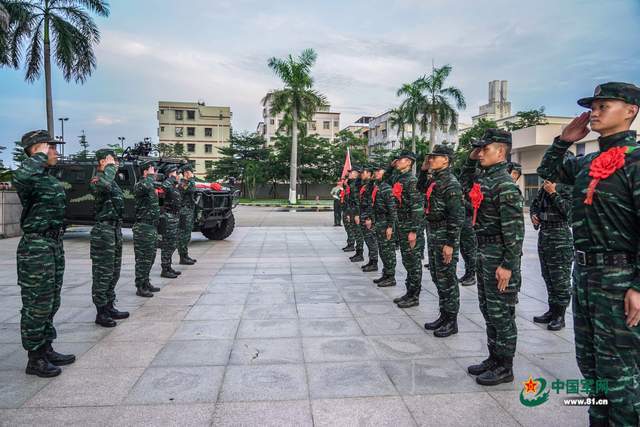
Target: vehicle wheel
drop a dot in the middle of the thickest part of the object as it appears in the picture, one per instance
(221, 232)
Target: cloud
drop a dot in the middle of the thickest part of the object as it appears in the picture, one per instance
(106, 120)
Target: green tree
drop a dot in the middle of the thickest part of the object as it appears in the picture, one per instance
(464, 142)
(117, 148)
(398, 119)
(357, 146)
(413, 105)
(18, 154)
(63, 28)
(527, 119)
(297, 100)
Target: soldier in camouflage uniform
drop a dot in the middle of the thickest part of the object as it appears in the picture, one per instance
(606, 232)
(551, 215)
(40, 254)
(468, 244)
(515, 170)
(410, 222)
(499, 226)
(169, 220)
(346, 220)
(365, 218)
(106, 238)
(444, 214)
(187, 188)
(353, 211)
(385, 218)
(145, 234)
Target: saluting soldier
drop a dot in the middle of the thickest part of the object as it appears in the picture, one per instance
(606, 232)
(40, 254)
(353, 209)
(366, 218)
(169, 220)
(385, 217)
(187, 188)
(106, 238)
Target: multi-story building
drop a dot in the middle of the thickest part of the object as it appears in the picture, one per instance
(498, 106)
(360, 127)
(383, 134)
(201, 130)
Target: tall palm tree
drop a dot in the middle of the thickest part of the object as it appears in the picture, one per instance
(4, 32)
(62, 25)
(437, 109)
(397, 118)
(413, 106)
(297, 100)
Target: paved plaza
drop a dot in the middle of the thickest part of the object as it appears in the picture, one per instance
(274, 326)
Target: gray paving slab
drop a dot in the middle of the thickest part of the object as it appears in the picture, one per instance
(264, 382)
(348, 379)
(372, 411)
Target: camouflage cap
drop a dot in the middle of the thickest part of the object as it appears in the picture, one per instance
(626, 92)
(37, 137)
(442, 150)
(104, 152)
(356, 168)
(406, 154)
(185, 167)
(369, 167)
(170, 167)
(147, 164)
(513, 166)
(493, 135)
(381, 166)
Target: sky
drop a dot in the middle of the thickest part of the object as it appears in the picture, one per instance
(552, 52)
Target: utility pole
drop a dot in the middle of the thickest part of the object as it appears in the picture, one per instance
(121, 138)
(62, 120)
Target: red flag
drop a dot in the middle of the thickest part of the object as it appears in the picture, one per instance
(347, 165)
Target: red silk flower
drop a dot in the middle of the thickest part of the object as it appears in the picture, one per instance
(362, 190)
(397, 192)
(348, 190)
(602, 167)
(374, 193)
(342, 196)
(428, 196)
(476, 197)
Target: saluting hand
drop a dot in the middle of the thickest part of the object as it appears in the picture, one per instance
(474, 154)
(577, 129)
(632, 307)
(503, 276)
(447, 254)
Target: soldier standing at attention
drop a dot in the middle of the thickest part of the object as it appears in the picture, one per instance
(606, 232)
(410, 222)
(337, 210)
(106, 238)
(353, 207)
(551, 214)
(145, 234)
(385, 218)
(346, 220)
(366, 218)
(169, 219)
(444, 214)
(187, 188)
(40, 254)
(499, 226)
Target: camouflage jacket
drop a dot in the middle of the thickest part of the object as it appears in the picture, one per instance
(147, 207)
(366, 201)
(610, 223)
(188, 193)
(500, 213)
(172, 198)
(554, 207)
(42, 196)
(443, 201)
(109, 205)
(408, 202)
(353, 198)
(384, 209)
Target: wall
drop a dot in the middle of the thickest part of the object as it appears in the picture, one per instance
(10, 210)
(308, 191)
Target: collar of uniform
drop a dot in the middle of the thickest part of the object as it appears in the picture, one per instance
(441, 172)
(619, 139)
(495, 168)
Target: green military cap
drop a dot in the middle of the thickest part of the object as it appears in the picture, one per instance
(369, 167)
(406, 154)
(147, 164)
(185, 167)
(37, 137)
(513, 166)
(381, 166)
(442, 150)
(104, 152)
(493, 135)
(170, 167)
(355, 168)
(626, 92)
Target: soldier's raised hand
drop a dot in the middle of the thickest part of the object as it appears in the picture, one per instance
(632, 307)
(577, 129)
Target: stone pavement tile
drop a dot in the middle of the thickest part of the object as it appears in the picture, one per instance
(80, 332)
(193, 414)
(338, 349)
(426, 376)
(552, 412)
(215, 312)
(329, 327)
(348, 379)
(131, 330)
(194, 353)
(385, 325)
(223, 298)
(264, 382)
(367, 411)
(382, 308)
(542, 341)
(180, 384)
(402, 347)
(75, 314)
(363, 295)
(137, 354)
(560, 365)
(270, 298)
(232, 279)
(10, 333)
(154, 313)
(77, 417)
(323, 310)
(291, 413)
(266, 351)
(273, 328)
(460, 409)
(467, 344)
(16, 387)
(270, 311)
(311, 278)
(87, 387)
(206, 330)
(175, 299)
(318, 297)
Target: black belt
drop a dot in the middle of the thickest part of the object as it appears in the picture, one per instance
(111, 222)
(554, 224)
(482, 240)
(437, 224)
(611, 259)
(55, 234)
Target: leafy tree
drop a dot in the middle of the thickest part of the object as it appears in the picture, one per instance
(41, 26)
(117, 148)
(527, 119)
(398, 119)
(357, 146)
(18, 154)
(464, 142)
(413, 105)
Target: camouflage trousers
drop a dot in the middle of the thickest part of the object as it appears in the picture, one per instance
(40, 272)
(607, 350)
(498, 308)
(106, 260)
(411, 258)
(337, 212)
(555, 250)
(369, 236)
(443, 275)
(357, 235)
(169, 237)
(145, 239)
(468, 245)
(387, 251)
(185, 227)
(348, 228)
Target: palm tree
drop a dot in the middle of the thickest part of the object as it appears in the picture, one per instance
(66, 23)
(412, 106)
(397, 118)
(297, 100)
(437, 110)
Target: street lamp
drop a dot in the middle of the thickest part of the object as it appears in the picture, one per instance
(121, 139)
(62, 120)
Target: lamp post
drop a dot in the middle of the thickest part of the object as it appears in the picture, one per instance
(62, 120)
(121, 139)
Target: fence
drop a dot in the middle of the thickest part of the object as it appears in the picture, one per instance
(10, 210)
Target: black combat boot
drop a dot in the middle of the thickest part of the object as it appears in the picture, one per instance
(349, 248)
(557, 318)
(411, 301)
(185, 260)
(469, 279)
(192, 259)
(502, 372)
(166, 272)
(380, 279)
(402, 298)
(357, 257)
(362, 267)
(426, 266)
(115, 313)
(483, 366)
(372, 266)
(104, 319)
(151, 288)
(176, 272)
(39, 365)
(144, 292)
(56, 358)
(449, 327)
(390, 281)
(546, 317)
(432, 326)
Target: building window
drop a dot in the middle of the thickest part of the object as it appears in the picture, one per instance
(179, 132)
(531, 186)
(580, 149)
(161, 111)
(208, 132)
(191, 148)
(179, 114)
(272, 122)
(384, 133)
(161, 128)
(336, 124)
(312, 125)
(208, 164)
(326, 125)
(191, 131)
(193, 164)
(191, 115)
(208, 148)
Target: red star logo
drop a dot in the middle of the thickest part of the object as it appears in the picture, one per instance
(530, 386)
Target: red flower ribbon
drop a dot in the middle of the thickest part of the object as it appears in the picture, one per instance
(602, 167)
(348, 190)
(362, 190)
(476, 197)
(397, 192)
(342, 196)
(428, 196)
(374, 193)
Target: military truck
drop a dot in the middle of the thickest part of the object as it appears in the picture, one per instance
(214, 202)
